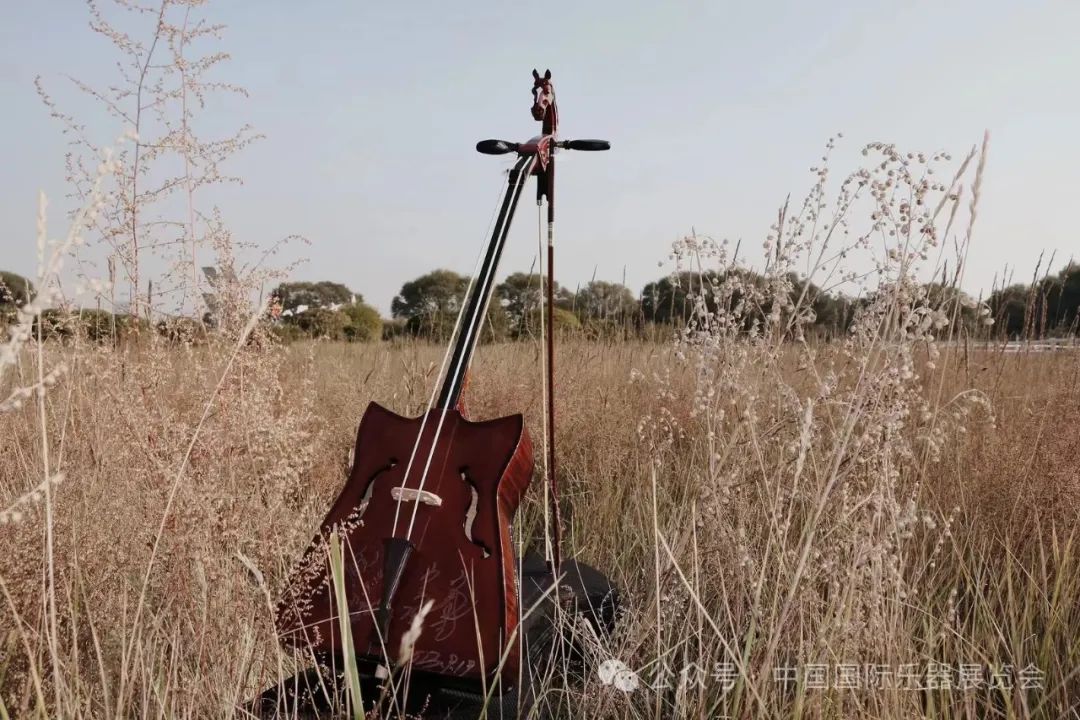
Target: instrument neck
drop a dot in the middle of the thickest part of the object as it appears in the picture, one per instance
(477, 303)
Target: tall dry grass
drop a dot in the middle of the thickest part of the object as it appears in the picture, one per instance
(731, 549)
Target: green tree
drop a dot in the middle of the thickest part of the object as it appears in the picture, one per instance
(323, 323)
(183, 330)
(1009, 308)
(1062, 295)
(325, 309)
(436, 292)
(364, 325)
(607, 310)
(394, 329)
(430, 303)
(565, 321)
(321, 294)
(496, 327)
(600, 300)
(98, 325)
(521, 295)
(668, 300)
(950, 299)
(833, 313)
(15, 291)
(54, 324)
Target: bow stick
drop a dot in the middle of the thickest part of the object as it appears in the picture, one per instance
(546, 111)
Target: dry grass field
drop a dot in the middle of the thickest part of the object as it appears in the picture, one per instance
(767, 510)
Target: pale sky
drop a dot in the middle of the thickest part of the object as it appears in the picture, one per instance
(715, 112)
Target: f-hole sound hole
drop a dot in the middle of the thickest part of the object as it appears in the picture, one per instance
(390, 465)
(470, 514)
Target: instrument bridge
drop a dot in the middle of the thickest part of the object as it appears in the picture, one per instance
(403, 494)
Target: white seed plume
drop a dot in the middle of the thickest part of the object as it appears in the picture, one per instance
(408, 640)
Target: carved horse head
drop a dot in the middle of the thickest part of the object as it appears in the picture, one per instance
(543, 108)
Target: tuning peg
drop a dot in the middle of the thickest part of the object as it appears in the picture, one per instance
(589, 145)
(496, 147)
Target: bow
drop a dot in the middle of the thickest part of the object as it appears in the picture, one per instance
(539, 154)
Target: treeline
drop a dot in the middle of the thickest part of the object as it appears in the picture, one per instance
(427, 307)
(1048, 307)
(93, 324)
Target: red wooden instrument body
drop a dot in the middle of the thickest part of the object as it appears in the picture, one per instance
(463, 559)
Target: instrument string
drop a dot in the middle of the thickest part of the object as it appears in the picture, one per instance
(443, 365)
(543, 379)
(469, 338)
